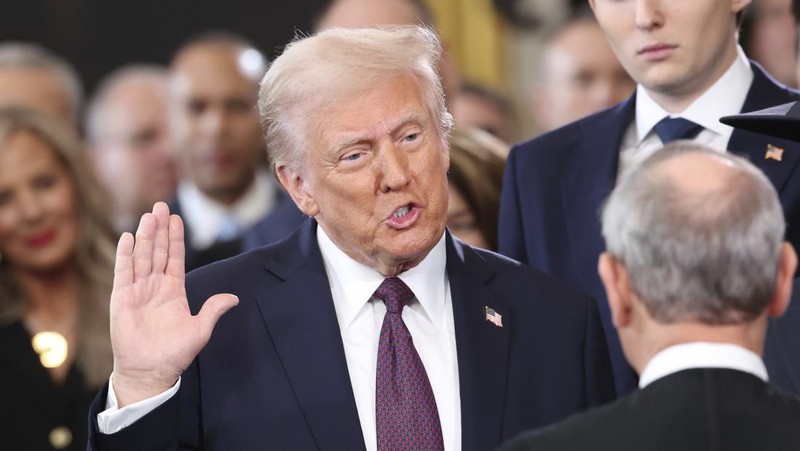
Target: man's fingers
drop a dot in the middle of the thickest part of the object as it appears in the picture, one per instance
(123, 264)
(161, 238)
(143, 247)
(176, 262)
(213, 309)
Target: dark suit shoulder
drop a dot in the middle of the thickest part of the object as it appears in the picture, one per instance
(519, 277)
(567, 135)
(241, 275)
(744, 412)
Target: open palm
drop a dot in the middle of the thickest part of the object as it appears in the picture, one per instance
(153, 334)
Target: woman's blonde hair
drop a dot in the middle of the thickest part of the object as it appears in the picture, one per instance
(94, 254)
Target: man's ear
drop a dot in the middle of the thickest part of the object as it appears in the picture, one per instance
(294, 182)
(783, 284)
(618, 289)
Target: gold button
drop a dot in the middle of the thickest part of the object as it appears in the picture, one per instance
(60, 437)
(51, 347)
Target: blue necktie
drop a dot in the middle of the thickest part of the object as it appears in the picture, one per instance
(406, 417)
(670, 129)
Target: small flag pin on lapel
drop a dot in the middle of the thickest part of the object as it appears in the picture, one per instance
(494, 317)
(773, 153)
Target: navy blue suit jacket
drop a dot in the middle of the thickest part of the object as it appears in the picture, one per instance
(274, 375)
(554, 186)
(782, 346)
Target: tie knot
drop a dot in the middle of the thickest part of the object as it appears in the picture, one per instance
(394, 293)
(673, 128)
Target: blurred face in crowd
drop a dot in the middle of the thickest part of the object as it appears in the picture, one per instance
(37, 89)
(675, 48)
(375, 176)
(132, 151)
(216, 125)
(461, 220)
(38, 206)
(773, 41)
(472, 110)
(580, 76)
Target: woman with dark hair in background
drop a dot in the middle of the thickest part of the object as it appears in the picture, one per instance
(477, 160)
(56, 267)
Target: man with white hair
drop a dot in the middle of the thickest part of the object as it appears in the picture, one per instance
(695, 265)
(34, 77)
(370, 327)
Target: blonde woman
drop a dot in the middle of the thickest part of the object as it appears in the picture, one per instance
(56, 267)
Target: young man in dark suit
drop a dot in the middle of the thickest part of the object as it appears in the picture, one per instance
(368, 328)
(696, 264)
(690, 72)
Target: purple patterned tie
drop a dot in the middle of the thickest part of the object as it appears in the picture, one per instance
(405, 409)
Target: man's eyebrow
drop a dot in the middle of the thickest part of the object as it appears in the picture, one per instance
(411, 117)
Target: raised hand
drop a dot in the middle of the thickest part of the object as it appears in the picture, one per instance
(153, 334)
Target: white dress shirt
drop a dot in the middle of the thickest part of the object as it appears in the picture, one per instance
(205, 217)
(429, 319)
(702, 355)
(725, 97)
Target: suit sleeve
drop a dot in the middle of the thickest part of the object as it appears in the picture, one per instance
(598, 375)
(174, 425)
(511, 234)
(156, 430)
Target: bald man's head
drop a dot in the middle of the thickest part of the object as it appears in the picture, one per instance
(700, 233)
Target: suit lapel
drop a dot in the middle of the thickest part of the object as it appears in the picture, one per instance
(301, 320)
(482, 347)
(589, 178)
(765, 93)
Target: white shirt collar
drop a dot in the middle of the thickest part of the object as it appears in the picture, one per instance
(357, 282)
(205, 216)
(702, 355)
(725, 97)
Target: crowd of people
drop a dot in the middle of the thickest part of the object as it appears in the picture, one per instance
(367, 259)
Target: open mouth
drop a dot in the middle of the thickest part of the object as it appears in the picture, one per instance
(402, 211)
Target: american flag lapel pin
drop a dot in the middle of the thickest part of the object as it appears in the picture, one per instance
(493, 317)
(773, 153)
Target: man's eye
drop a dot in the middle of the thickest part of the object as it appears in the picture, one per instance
(412, 137)
(353, 156)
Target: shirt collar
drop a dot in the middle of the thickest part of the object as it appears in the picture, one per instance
(725, 97)
(357, 282)
(205, 216)
(702, 355)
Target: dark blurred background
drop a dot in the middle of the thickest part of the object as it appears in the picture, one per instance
(100, 35)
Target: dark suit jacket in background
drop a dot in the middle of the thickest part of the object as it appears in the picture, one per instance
(554, 186)
(277, 224)
(274, 375)
(691, 410)
(782, 346)
(31, 403)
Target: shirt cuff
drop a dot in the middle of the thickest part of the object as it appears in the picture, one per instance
(114, 419)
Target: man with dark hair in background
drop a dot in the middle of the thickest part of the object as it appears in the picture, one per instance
(225, 187)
